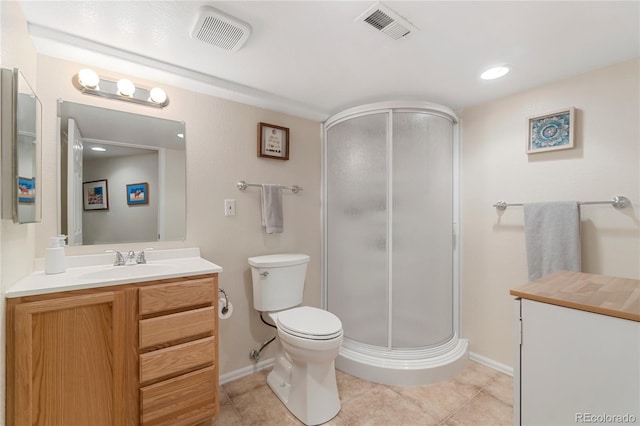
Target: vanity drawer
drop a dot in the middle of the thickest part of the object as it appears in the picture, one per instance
(184, 400)
(177, 359)
(178, 295)
(175, 327)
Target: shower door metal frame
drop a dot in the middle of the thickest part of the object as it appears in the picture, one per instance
(390, 108)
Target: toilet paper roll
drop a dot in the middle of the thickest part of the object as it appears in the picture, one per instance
(221, 304)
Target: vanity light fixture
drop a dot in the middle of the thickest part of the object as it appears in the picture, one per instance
(495, 72)
(89, 83)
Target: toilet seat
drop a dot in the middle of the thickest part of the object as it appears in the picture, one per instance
(309, 323)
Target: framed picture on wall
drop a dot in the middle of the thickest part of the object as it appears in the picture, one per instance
(26, 190)
(551, 131)
(95, 195)
(137, 193)
(273, 141)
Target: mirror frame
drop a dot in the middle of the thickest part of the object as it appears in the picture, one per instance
(10, 84)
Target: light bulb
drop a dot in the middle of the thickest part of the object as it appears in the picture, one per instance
(88, 78)
(157, 95)
(126, 87)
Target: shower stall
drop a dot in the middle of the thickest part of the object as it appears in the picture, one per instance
(390, 266)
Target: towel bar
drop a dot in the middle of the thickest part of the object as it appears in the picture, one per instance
(242, 185)
(619, 202)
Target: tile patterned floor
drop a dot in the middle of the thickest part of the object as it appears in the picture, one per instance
(477, 396)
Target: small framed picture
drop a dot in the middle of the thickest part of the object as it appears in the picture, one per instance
(273, 141)
(137, 193)
(95, 195)
(26, 190)
(551, 131)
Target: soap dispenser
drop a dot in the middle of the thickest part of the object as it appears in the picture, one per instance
(54, 261)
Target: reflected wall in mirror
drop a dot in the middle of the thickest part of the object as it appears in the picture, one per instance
(120, 149)
(21, 152)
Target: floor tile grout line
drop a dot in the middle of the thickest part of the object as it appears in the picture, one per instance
(464, 404)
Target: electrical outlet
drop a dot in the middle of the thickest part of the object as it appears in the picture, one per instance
(229, 207)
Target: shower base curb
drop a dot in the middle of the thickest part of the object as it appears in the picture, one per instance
(398, 372)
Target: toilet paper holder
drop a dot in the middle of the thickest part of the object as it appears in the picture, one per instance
(225, 308)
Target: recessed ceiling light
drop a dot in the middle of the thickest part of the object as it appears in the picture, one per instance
(98, 148)
(495, 72)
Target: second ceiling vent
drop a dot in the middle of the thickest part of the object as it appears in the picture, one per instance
(383, 19)
(220, 30)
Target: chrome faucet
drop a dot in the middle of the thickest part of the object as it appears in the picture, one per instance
(141, 259)
(119, 258)
(131, 258)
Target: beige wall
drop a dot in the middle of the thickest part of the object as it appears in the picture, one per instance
(221, 150)
(494, 166)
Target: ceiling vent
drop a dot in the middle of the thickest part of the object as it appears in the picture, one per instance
(383, 19)
(220, 30)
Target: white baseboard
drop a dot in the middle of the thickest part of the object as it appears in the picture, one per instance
(267, 363)
(491, 363)
(245, 371)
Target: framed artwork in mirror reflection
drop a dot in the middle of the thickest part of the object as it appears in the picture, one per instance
(273, 141)
(95, 195)
(26, 190)
(137, 193)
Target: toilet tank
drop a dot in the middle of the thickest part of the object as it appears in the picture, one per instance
(278, 280)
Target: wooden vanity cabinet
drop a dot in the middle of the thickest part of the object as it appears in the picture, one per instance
(124, 355)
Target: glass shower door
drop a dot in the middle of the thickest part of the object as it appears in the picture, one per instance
(391, 185)
(422, 231)
(356, 226)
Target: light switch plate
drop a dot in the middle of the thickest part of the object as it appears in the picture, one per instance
(229, 207)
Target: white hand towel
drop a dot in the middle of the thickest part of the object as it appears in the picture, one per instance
(272, 215)
(552, 235)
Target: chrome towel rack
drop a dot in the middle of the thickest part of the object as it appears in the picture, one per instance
(619, 202)
(242, 185)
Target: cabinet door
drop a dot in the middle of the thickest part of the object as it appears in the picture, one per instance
(70, 360)
(576, 366)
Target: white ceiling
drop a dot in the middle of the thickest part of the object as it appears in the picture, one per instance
(311, 58)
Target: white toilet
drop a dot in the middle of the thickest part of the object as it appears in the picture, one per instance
(308, 339)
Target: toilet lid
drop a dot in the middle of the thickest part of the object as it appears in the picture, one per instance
(309, 323)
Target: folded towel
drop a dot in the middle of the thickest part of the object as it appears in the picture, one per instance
(272, 217)
(552, 235)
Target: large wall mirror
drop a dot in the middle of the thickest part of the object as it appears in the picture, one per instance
(21, 153)
(122, 176)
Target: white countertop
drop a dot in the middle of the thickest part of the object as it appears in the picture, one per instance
(92, 271)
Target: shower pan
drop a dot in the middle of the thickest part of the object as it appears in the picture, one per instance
(390, 261)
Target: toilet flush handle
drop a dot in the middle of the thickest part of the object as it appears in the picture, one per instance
(264, 274)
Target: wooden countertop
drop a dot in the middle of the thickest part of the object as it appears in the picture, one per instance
(612, 296)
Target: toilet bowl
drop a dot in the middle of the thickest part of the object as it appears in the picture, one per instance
(304, 376)
(307, 342)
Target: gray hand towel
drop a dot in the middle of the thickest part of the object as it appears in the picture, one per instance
(552, 235)
(272, 215)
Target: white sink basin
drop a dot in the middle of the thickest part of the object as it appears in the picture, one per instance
(131, 271)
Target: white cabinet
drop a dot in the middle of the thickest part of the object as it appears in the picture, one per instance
(574, 366)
